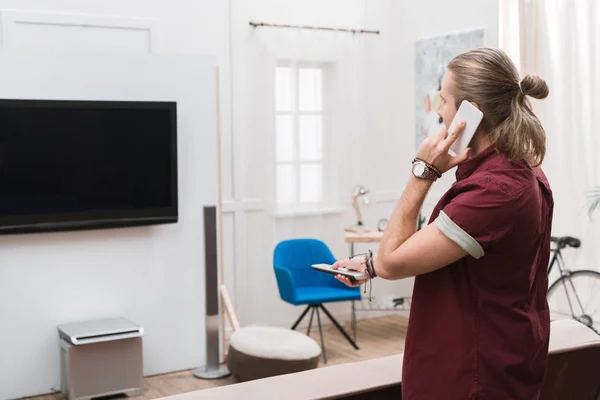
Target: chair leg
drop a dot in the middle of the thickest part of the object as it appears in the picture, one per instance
(321, 334)
(337, 325)
(301, 316)
(312, 314)
(353, 321)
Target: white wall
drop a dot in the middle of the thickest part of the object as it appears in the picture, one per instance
(152, 275)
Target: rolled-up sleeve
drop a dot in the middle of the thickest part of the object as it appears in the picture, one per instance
(478, 217)
(458, 235)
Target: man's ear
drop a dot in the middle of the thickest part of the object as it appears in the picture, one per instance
(476, 105)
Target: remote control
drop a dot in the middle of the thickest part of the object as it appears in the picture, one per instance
(353, 275)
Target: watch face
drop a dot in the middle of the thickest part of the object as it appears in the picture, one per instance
(419, 169)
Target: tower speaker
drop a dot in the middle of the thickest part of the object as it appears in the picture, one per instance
(213, 369)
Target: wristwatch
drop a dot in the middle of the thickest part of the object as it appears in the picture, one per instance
(422, 170)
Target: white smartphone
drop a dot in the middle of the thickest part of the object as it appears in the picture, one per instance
(353, 275)
(472, 116)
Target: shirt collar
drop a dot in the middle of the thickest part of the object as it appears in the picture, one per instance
(466, 168)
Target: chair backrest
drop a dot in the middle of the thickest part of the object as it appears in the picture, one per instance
(297, 256)
(572, 362)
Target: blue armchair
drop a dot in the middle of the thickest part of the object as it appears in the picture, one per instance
(299, 284)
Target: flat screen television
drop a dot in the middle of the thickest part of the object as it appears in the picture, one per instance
(72, 165)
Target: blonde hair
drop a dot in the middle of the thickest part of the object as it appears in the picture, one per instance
(489, 78)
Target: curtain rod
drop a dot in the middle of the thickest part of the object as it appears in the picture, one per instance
(319, 28)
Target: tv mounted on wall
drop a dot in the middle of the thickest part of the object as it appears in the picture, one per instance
(71, 165)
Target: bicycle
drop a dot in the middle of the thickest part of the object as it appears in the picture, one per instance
(569, 303)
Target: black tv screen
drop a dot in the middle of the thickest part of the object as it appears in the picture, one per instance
(68, 165)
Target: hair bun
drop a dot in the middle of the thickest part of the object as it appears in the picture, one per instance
(534, 86)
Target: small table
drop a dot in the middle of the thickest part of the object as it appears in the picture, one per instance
(380, 303)
(372, 236)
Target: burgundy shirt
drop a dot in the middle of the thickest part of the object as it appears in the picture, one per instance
(479, 328)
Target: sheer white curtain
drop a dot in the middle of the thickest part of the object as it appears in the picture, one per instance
(300, 103)
(560, 41)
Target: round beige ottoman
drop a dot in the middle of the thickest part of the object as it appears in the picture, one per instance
(263, 351)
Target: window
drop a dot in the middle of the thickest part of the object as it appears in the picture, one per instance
(299, 135)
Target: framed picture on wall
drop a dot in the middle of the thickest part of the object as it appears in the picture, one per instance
(431, 57)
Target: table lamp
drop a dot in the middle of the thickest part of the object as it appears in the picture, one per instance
(358, 192)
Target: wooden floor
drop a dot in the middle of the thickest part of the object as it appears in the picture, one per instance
(378, 337)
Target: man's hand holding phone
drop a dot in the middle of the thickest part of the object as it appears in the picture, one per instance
(434, 149)
(448, 148)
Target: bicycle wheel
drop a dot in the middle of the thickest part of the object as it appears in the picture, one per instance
(576, 295)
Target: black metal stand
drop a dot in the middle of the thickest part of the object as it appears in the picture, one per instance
(313, 308)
